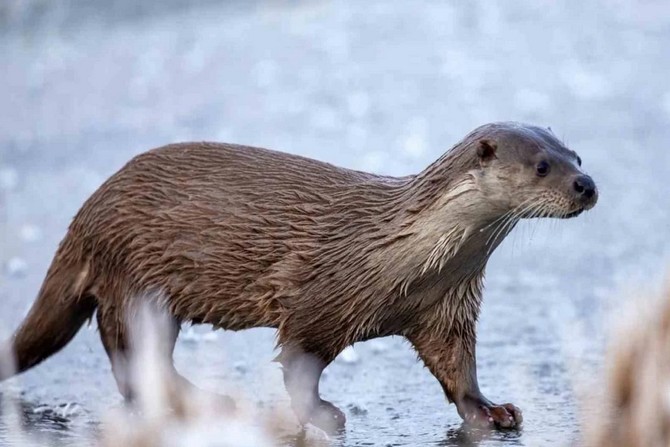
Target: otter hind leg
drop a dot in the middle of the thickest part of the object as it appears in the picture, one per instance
(116, 341)
(114, 336)
(302, 372)
(183, 388)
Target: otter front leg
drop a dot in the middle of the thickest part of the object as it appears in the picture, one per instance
(302, 372)
(452, 361)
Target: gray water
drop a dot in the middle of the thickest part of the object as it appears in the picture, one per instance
(379, 86)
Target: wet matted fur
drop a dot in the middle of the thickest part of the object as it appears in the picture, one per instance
(242, 237)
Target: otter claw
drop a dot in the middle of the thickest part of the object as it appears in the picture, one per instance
(494, 416)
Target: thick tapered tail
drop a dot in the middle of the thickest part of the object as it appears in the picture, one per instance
(62, 307)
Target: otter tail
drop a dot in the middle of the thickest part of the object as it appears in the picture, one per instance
(61, 308)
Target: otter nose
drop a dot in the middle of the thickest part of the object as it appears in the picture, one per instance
(584, 187)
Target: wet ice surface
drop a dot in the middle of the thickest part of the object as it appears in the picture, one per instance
(385, 88)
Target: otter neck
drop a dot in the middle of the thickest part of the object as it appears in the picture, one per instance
(399, 245)
(452, 239)
(402, 263)
(448, 213)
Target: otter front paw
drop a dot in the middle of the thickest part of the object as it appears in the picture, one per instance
(482, 413)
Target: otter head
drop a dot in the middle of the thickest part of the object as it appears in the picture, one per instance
(527, 172)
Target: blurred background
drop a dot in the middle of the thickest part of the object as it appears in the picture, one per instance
(380, 86)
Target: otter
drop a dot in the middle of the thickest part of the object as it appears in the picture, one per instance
(241, 237)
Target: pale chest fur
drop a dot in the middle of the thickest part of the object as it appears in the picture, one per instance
(446, 257)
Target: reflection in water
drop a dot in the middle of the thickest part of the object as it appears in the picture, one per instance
(462, 436)
(304, 438)
(465, 436)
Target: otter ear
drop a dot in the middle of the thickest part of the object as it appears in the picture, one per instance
(486, 151)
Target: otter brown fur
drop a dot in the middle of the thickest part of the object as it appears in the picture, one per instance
(241, 237)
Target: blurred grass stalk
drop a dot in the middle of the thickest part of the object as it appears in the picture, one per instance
(166, 414)
(8, 410)
(163, 413)
(9, 392)
(636, 394)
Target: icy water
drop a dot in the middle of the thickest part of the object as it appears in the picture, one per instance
(380, 86)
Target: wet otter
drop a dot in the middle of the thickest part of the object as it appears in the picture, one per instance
(242, 237)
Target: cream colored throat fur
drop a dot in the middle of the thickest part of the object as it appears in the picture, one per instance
(446, 248)
(439, 235)
(457, 230)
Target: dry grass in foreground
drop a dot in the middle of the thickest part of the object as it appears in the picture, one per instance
(636, 407)
(637, 393)
(164, 413)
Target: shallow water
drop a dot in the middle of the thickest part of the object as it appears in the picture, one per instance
(387, 87)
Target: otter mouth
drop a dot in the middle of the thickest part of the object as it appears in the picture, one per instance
(573, 214)
(557, 215)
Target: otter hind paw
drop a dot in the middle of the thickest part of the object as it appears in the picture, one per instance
(328, 417)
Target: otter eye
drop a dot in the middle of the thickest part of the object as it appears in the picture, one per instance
(579, 160)
(542, 168)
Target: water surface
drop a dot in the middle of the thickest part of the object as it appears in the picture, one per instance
(385, 87)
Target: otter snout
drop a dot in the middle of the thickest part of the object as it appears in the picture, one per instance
(586, 191)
